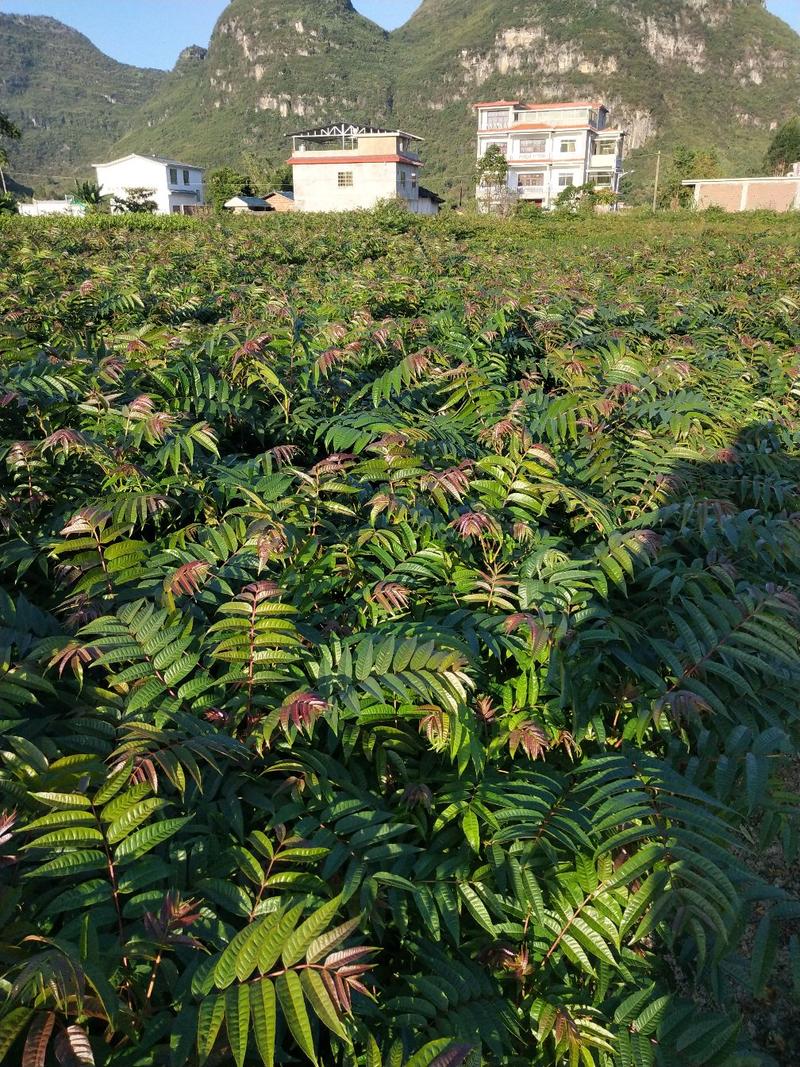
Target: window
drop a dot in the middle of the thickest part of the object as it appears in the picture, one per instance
(345, 179)
(569, 146)
(532, 146)
(413, 181)
(564, 180)
(186, 177)
(502, 146)
(176, 209)
(403, 178)
(605, 148)
(173, 175)
(495, 120)
(531, 181)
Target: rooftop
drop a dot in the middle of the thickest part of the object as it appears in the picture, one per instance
(350, 129)
(155, 159)
(549, 106)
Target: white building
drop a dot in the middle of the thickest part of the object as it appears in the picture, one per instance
(345, 166)
(67, 206)
(549, 147)
(177, 187)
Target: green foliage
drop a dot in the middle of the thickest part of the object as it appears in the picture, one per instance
(686, 164)
(90, 194)
(8, 128)
(135, 202)
(399, 643)
(784, 148)
(226, 183)
(8, 203)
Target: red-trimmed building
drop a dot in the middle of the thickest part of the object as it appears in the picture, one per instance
(550, 147)
(345, 166)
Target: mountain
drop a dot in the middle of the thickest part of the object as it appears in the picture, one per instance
(272, 66)
(707, 73)
(719, 73)
(70, 100)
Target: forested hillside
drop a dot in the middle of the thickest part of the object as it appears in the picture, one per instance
(71, 101)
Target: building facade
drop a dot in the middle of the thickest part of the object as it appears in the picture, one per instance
(345, 166)
(177, 187)
(748, 194)
(550, 147)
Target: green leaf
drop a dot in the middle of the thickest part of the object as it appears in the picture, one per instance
(10, 1025)
(143, 840)
(237, 1021)
(209, 1021)
(277, 938)
(472, 832)
(476, 908)
(321, 1003)
(298, 942)
(263, 1012)
(290, 995)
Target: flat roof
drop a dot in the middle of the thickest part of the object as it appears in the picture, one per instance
(545, 106)
(748, 178)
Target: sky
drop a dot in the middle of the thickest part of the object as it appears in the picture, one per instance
(151, 33)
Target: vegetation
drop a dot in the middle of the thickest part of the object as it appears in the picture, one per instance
(226, 183)
(400, 630)
(784, 149)
(72, 101)
(491, 175)
(135, 202)
(90, 194)
(12, 132)
(685, 164)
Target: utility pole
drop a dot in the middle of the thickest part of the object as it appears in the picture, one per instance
(655, 188)
(3, 180)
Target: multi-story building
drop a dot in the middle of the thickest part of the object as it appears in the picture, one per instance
(549, 147)
(177, 188)
(344, 166)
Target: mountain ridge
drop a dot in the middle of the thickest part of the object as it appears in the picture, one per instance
(93, 106)
(719, 73)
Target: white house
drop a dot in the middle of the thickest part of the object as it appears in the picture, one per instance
(549, 147)
(177, 187)
(345, 166)
(67, 206)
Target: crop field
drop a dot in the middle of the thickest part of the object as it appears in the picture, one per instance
(399, 658)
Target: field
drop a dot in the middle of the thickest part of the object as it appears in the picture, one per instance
(399, 642)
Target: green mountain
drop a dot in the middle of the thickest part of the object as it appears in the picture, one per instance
(70, 100)
(707, 73)
(272, 67)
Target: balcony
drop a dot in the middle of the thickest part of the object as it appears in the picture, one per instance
(604, 161)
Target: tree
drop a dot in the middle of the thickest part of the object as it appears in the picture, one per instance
(225, 183)
(266, 175)
(10, 130)
(491, 175)
(90, 194)
(784, 149)
(8, 204)
(686, 163)
(135, 202)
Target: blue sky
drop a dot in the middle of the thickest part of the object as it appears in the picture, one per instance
(152, 32)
